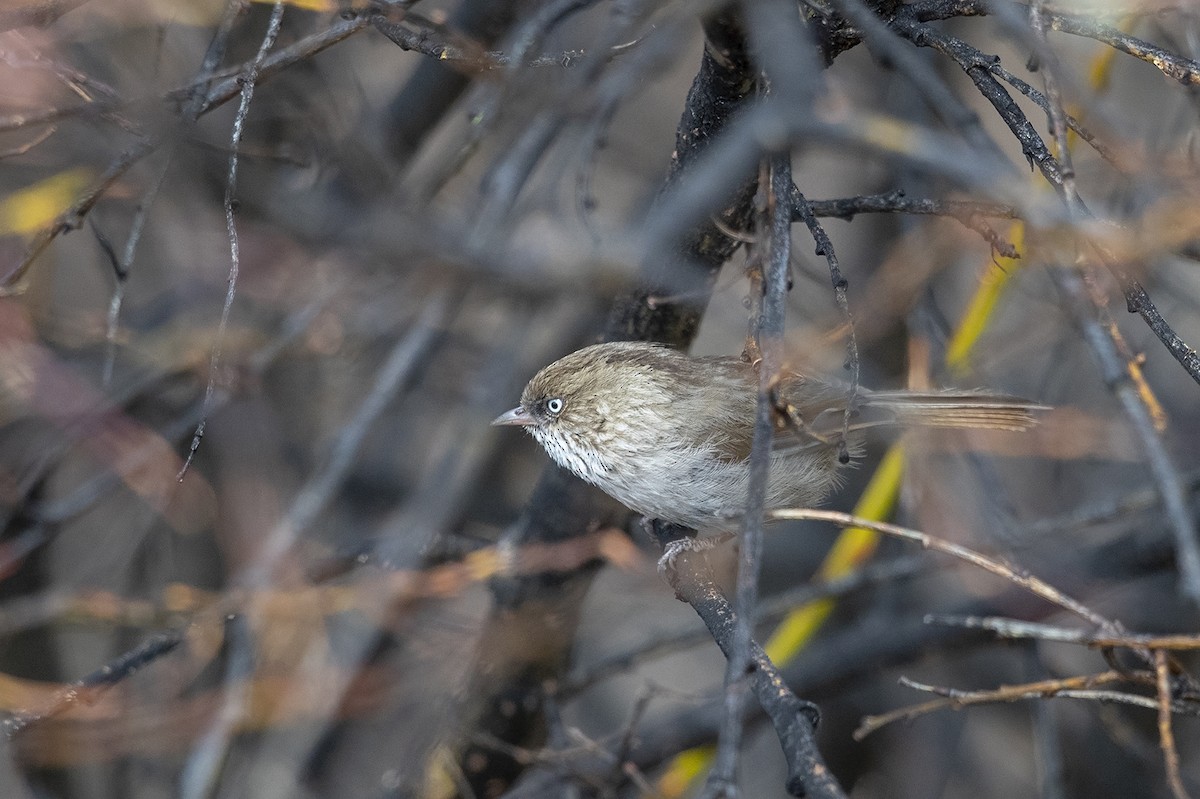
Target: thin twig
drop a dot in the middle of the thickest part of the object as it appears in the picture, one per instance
(247, 83)
(1139, 302)
(925, 79)
(1024, 580)
(825, 248)
(300, 50)
(1173, 65)
(1166, 737)
(420, 35)
(1099, 331)
(1115, 373)
(1121, 159)
(978, 67)
(73, 216)
(769, 326)
(88, 689)
(1082, 687)
(1017, 629)
(122, 269)
(956, 700)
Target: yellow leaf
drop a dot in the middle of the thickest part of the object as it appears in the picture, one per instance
(34, 208)
(307, 5)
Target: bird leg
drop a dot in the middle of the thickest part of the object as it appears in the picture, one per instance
(680, 545)
(676, 539)
(790, 415)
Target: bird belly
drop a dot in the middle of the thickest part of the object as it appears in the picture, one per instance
(709, 495)
(692, 486)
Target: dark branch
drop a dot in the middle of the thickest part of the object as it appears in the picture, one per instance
(795, 720)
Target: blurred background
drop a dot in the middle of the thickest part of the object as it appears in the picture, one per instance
(259, 539)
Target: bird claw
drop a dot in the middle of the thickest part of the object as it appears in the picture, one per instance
(680, 545)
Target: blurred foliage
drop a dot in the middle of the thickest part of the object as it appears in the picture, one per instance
(435, 199)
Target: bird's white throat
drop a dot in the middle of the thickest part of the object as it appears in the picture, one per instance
(568, 453)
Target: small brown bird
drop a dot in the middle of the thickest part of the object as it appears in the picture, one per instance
(669, 435)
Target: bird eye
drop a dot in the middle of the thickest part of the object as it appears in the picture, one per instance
(554, 405)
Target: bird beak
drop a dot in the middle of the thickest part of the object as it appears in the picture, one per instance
(517, 417)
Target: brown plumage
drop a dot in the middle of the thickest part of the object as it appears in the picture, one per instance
(669, 435)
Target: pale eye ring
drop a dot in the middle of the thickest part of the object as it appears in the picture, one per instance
(554, 405)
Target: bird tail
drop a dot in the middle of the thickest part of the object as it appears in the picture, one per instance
(970, 409)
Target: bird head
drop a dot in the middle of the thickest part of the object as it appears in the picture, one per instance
(592, 407)
(570, 395)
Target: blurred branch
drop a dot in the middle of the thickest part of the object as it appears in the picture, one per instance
(1166, 736)
(1124, 507)
(1108, 345)
(89, 689)
(845, 657)
(34, 141)
(121, 725)
(428, 39)
(223, 91)
(886, 45)
(213, 56)
(37, 13)
(408, 352)
(228, 88)
(1116, 375)
(73, 217)
(434, 87)
(1103, 339)
(403, 588)
(504, 179)
(870, 575)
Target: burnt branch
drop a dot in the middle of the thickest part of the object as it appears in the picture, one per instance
(795, 720)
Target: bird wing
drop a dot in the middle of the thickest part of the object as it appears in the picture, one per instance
(724, 408)
(811, 413)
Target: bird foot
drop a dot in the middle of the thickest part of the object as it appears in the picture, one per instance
(680, 545)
